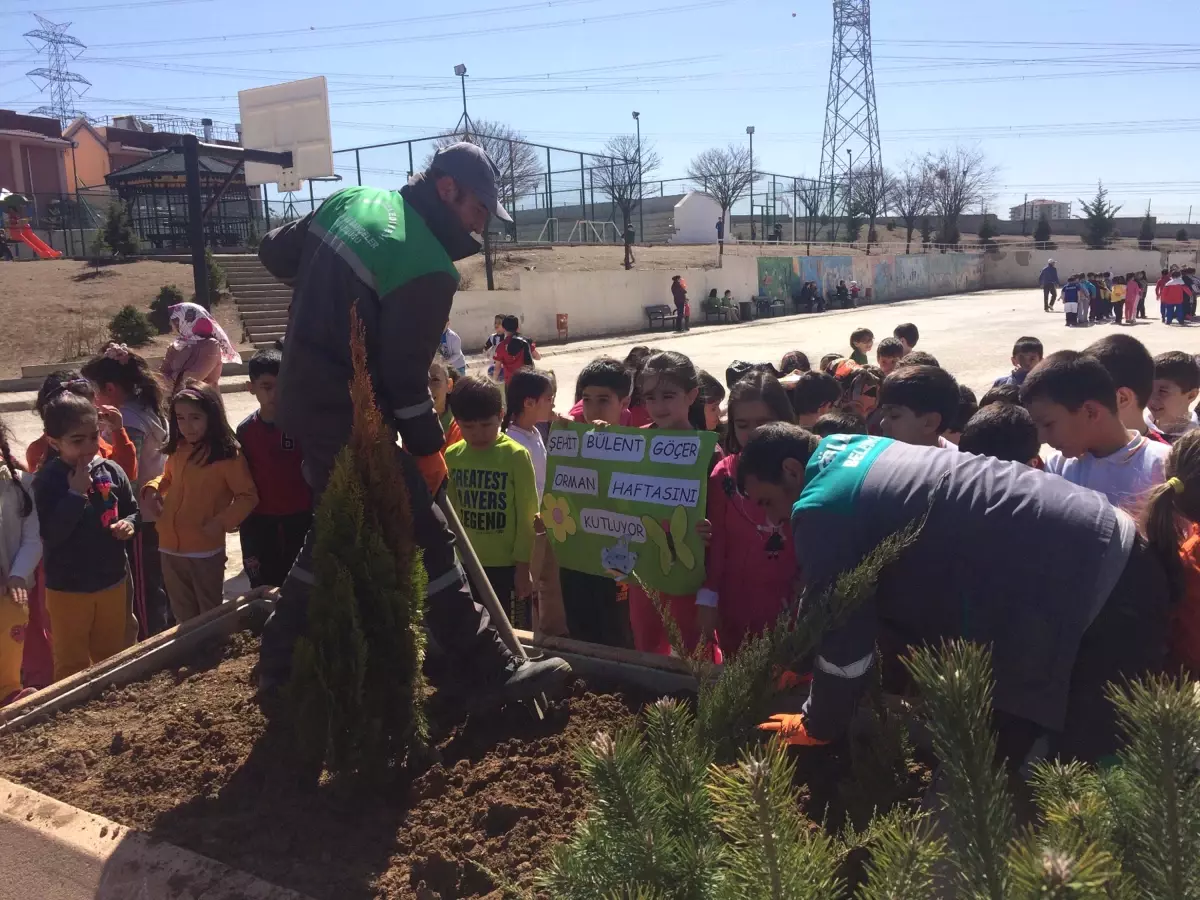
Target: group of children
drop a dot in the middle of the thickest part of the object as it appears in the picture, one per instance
(1090, 297)
(1110, 413)
(115, 527)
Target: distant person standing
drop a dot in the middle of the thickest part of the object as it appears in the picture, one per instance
(721, 234)
(6, 253)
(630, 236)
(1049, 282)
(679, 295)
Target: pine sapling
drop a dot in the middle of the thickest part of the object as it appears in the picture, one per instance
(1157, 792)
(904, 852)
(773, 852)
(956, 686)
(359, 669)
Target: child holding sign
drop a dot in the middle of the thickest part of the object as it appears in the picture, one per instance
(670, 387)
(751, 570)
(493, 489)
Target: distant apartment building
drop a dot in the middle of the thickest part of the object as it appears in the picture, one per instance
(103, 149)
(1033, 210)
(33, 154)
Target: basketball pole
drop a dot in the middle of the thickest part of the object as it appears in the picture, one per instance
(193, 149)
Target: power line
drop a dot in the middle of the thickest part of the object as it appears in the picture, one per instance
(460, 33)
(108, 6)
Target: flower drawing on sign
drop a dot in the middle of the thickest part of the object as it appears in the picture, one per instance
(557, 516)
(669, 537)
(618, 559)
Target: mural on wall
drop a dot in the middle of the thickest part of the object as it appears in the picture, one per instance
(881, 278)
(775, 275)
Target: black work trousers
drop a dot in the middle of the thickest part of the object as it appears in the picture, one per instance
(461, 627)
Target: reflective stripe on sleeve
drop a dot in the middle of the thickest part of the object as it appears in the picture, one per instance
(855, 669)
(417, 409)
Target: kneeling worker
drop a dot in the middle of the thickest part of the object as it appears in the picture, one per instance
(987, 567)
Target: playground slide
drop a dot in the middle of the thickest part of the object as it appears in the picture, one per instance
(36, 244)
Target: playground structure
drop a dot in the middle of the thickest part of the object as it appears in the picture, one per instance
(17, 227)
(23, 233)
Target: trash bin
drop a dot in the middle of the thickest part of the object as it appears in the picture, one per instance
(746, 308)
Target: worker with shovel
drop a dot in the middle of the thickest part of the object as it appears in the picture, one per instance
(392, 255)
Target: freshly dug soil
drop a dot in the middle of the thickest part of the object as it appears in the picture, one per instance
(188, 756)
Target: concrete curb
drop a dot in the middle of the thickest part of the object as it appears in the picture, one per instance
(53, 851)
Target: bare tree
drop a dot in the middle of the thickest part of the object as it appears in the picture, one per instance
(520, 167)
(809, 192)
(620, 177)
(961, 177)
(912, 197)
(724, 172)
(872, 196)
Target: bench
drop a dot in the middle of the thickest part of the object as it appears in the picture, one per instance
(769, 307)
(662, 314)
(720, 313)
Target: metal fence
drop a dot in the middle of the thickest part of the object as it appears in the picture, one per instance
(557, 194)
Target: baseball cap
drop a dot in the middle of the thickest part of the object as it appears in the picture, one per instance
(470, 167)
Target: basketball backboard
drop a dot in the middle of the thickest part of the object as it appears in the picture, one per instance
(290, 116)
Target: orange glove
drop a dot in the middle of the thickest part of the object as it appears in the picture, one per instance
(791, 728)
(433, 470)
(786, 679)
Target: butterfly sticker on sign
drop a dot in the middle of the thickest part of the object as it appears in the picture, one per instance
(625, 502)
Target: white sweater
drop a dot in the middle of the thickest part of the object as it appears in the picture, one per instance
(20, 540)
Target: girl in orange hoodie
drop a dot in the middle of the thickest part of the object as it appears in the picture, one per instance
(205, 491)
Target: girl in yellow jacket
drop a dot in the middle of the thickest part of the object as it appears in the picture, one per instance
(205, 491)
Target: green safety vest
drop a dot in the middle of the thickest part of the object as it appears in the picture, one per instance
(381, 237)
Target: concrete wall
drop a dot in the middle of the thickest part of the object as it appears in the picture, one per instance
(1020, 268)
(612, 301)
(882, 278)
(597, 303)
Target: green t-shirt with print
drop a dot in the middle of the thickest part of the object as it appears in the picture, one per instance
(495, 496)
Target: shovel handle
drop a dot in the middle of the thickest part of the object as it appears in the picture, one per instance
(478, 578)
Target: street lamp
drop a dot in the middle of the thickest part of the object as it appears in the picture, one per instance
(641, 220)
(750, 131)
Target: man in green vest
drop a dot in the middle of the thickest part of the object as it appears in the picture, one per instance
(392, 254)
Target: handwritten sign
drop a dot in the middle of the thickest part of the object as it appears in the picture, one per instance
(627, 500)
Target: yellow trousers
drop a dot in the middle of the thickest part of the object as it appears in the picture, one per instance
(13, 619)
(86, 628)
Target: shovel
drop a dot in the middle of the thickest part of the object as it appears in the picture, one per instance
(484, 591)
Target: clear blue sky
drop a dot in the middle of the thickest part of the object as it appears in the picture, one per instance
(1057, 93)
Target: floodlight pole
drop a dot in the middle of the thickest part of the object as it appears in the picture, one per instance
(641, 218)
(464, 121)
(750, 131)
(193, 149)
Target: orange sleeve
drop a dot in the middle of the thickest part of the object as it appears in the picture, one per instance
(35, 453)
(124, 454)
(162, 483)
(245, 494)
(1185, 633)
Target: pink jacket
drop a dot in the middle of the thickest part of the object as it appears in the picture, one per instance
(750, 567)
(201, 361)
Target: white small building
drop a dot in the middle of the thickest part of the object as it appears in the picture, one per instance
(696, 218)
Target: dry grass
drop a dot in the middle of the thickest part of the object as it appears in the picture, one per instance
(58, 310)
